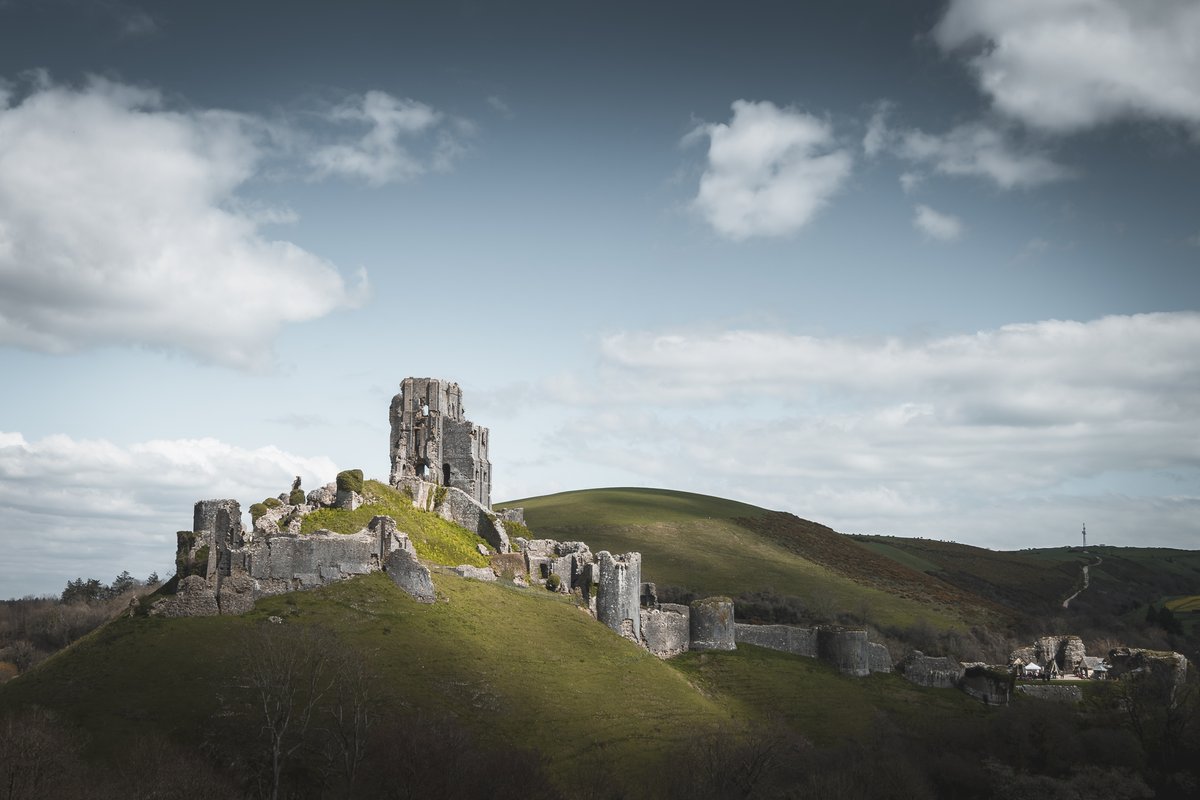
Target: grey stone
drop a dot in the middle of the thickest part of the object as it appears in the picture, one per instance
(347, 500)
(483, 550)
(711, 624)
(275, 620)
(617, 596)
(878, 658)
(475, 573)
(410, 575)
(666, 629)
(324, 497)
(785, 638)
(516, 515)
(938, 672)
(237, 594)
(1055, 693)
(1168, 668)
(193, 598)
(986, 684)
(520, 581)
(845, 649)
(433, 441)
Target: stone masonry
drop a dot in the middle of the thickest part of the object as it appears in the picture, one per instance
(432, 439)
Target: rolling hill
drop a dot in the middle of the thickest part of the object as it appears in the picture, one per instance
(508, 691)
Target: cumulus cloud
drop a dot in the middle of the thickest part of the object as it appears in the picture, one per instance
(1026, 424)
(387, 151)
(75, 507)
(120, 224)
(978, 149)
(1074, 64)
(936, 225)
(769, 170)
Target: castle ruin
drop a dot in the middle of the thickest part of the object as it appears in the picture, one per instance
(439, 459)
(433, 441)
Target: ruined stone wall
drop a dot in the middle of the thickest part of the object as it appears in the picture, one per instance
(666, 629)
(712, 625)
(785, 638)
(845, 649)
(432, 440)
(458, 507)
(988, 686)
(937, 672)
(1168, 668)
(878, 658)
(1056, 693)
(618, 601)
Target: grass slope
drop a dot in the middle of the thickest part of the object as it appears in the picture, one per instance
(1038, 580)
(518, 665)
(436, 539)
(716, 546)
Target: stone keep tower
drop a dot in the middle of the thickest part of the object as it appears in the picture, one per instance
(433, 441)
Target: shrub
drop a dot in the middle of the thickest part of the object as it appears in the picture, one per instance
(272, 502)
(350, 480)
(439, 496)
(296, 498)
(256, 511)
(553, 582)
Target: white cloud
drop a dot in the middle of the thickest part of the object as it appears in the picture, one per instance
(76, 508)
(960, 435)
(120, 224)
(1074, 64)
(385, 152)
(911, 181)
(936, 225)
(499, 106)
(876, 139)
(769, 170)
(980, 150)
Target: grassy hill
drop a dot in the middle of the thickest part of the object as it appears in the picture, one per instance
(499, 690)
(714, 546)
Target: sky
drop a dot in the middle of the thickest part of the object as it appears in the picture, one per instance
(920, 269)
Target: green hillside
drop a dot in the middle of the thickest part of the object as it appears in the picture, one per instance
(497, 690)
(714, 546)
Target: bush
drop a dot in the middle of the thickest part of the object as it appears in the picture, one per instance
(296, 498)
(350, 480)
(257, 510)
(553, 583)
(272, 502)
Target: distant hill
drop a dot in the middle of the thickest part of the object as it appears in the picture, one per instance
(715, 546)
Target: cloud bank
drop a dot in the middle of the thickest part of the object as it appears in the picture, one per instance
(981, 437)
(120, 224)
(1075, 64)
(91, 508)
(769, 170)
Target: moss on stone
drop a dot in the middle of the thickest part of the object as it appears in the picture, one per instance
(272, 502)
(256, 511)
(350, 480)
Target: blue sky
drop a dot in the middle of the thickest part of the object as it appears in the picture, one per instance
(926, 269)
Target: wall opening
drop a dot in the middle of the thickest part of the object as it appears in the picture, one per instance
(446, 474)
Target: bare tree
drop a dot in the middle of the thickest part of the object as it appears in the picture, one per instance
(289, 670)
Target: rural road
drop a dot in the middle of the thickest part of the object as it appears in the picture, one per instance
(1086, 580)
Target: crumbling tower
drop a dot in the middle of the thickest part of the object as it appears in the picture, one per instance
(433, 440)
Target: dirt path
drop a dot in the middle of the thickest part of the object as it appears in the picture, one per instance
(1086, 580)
